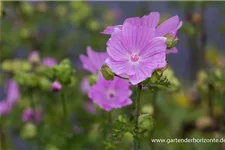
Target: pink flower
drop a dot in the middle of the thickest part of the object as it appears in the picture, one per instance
(89, 107)
(170, 26)
(30, 115)
(27, 114)
(13, 93)
(136, 52)
(110, 94)
(85, 86)
(5, 107)
(49, 62)
(93, 61)
(56, 86)
(34, 57)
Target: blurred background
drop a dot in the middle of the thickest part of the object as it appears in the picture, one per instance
(64, 29)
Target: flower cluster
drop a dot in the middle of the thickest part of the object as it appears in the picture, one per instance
(106, 94)
(135, 50)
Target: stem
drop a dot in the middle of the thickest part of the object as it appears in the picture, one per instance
(137, 110)
(3, 143)
(33, 101)
(210, 101)
(63, 98)
(222, 120)
(121, 77)
(154, 104)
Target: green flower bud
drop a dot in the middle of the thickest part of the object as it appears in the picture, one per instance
(170, 41)
(107, 72)
(122, 118)
(128, 137)
(93, 79)
(147, 109)
(28, 131)
(51, 147)
(7, 65)
(64, 71)
(44, 83)
(145, 122)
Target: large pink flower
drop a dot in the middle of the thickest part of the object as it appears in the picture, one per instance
(170, 26)
(110, 94)
(136, 52)
(93, 61)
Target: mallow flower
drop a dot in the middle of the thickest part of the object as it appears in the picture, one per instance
(49, 62)
(30, 114)
(169, 28)
(93, 61)
(5, 107)
(135, 51)
(106, 94)
(110, 94)
(13, 93)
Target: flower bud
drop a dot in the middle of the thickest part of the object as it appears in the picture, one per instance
(28, 131)
(145, 122)
(171, 41)
(93, 79)
(107, 72)
(56, 86)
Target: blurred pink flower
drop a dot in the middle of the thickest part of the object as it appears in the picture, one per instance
(13, 93)
(27, 114)
(49, 62)
(5, 107)
(110, 94)
(85, 86)
(56, 86)
(89, 107)
(93, 61)
(34, 57)
(136, 52)
(30, 114)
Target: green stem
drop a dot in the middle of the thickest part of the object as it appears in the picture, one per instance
(63, 98)
(137, 110)
(3, 143)
(154, 104)
(33, 101)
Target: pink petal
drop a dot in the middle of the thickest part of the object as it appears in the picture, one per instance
(173, 50)
(168, 26)
(142, 73)
(157, 45)
(111, 29)
(121, 67)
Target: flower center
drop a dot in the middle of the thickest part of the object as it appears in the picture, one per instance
(111, 94)
(134, 57)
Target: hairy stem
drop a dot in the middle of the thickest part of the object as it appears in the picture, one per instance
(137, 110)
(154, 104)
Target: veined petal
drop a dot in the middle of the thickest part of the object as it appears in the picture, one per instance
(137, 37)
(111, 29)
(169, 25)
(94, 60)
(151, 20)
(156, 45)
(144, 71)
(121, 67)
